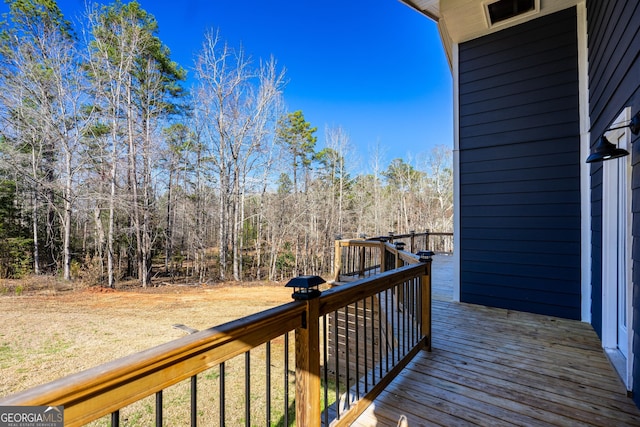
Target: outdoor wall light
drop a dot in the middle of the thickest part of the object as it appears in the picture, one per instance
(605, 150)
(305, 287)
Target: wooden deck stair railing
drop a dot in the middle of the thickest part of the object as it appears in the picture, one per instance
(378, 324)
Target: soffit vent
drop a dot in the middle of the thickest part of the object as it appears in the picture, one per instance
(504, 11)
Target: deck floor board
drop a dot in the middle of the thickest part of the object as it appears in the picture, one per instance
(496, 367)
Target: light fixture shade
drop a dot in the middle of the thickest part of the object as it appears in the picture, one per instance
(605, 150)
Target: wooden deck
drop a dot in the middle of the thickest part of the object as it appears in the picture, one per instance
(495, 367)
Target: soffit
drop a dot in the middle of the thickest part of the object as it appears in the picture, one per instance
(431, 8)
(464, 20)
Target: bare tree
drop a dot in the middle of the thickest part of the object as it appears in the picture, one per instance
(440, 185)
(375, 164)
(135, 81)
(238, 104)
(110, 62)
(43, 95)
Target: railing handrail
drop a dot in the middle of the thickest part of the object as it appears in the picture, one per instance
(394, 236)
(439, 233)
(359, 242)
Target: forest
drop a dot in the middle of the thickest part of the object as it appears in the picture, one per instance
(114, 166)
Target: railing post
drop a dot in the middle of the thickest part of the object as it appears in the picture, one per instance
(363, 254)
(426, 258)
(426, 240)
(412, 242)
(398, 259)
(383, 257)
(308, 367)
(391, 234)
(337, 261)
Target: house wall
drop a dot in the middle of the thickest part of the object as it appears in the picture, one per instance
(614, 83)
(519, 168)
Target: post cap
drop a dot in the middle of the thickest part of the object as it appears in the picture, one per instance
(425, 255)
(305, 287)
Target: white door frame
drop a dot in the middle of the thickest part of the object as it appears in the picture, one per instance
(616, 191)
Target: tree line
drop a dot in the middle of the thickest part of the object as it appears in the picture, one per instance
(112, 169)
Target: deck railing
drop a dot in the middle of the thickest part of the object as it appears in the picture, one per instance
(348, 344)
(438, 242)
(366, 257)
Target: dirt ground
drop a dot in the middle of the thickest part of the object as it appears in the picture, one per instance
(52, 330)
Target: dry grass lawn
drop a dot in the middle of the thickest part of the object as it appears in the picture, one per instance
(48, 333)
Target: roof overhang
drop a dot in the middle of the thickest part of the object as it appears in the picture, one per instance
(463, 20)
(430, 8)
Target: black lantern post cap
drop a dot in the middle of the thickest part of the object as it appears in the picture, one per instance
(400, 245)
(305, 287)
(425, 255)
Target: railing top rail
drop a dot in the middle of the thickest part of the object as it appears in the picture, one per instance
(393, 236)
(363, 241)
(408, 257)
(358, 242)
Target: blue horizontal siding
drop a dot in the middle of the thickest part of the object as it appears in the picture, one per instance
(538, 250)
(614, 83)
(530, 305)
(519, 168)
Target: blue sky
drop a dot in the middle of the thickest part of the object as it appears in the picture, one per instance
(375, 68)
